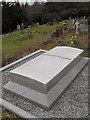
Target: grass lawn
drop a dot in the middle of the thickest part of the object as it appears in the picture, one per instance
(13, 49)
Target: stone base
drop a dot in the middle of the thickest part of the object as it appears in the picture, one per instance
(46, 100)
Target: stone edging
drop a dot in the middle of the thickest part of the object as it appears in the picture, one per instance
(18, 111)
(14, 63)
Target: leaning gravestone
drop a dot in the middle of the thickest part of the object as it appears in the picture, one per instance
(43, 79)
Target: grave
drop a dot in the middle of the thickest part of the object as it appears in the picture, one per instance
(57, 32)
(43, 79)
(83, 27)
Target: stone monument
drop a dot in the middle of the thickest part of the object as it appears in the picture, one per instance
(18, 27)
(43, 79)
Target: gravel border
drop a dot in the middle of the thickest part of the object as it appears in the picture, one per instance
(72, 104)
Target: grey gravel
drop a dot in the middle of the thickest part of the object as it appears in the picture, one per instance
(72, 104)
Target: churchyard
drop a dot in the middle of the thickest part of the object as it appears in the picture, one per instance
(18, 43)
(47, 85)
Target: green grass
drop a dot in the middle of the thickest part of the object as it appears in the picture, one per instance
(12, 47)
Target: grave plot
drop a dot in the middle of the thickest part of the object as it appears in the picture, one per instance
(43, 79)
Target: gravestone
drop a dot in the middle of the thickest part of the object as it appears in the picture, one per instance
(43, 79)
(77, 27)
(30, 34)
(18, 27)
(83, 27)
(29, 26)
(70, 18)
(36, 26)
(57, 32)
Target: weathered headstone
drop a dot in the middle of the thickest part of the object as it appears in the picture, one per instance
(57, 32)
(70, 18)
(29, 26)
(30, 34)
(36, 26)
(83, 27)
(18, 27)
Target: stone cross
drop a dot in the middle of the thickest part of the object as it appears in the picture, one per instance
(77, 26)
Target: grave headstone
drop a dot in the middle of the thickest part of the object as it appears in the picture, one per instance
(36, 26)
(18, 27)
(29, 26)
(30, 34)
(57, 32)
(83, 27)
(70, 18)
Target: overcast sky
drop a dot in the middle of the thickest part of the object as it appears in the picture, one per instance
(48, 0)
(23, 0)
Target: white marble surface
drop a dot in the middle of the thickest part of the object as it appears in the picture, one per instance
(65, 52)
(47, 66)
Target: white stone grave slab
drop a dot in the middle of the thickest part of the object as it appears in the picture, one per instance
(44, 72)
(46, 100)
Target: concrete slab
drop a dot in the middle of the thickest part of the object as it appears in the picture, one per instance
(46, 100)
(45, 71)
